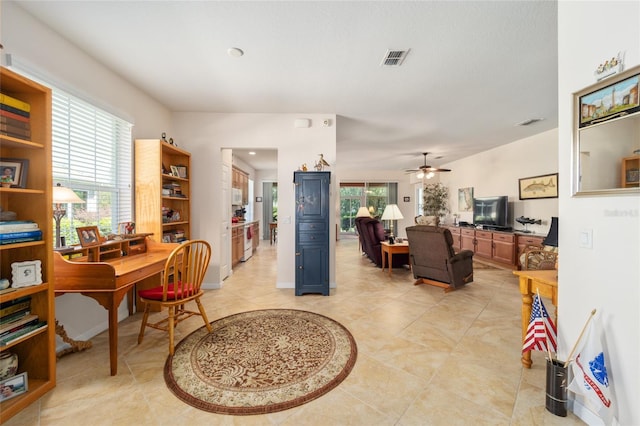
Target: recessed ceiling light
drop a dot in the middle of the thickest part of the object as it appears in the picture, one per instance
(252, 153)
(235, 52)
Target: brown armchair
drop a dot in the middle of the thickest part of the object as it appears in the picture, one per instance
(434, 261)
(545, 256)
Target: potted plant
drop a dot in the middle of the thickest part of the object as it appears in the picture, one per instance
(435, 201)
(6, 181)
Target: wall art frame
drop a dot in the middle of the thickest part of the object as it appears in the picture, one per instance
(610, 99)
(538, 187)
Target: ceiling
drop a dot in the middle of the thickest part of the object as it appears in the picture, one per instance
(473, 72)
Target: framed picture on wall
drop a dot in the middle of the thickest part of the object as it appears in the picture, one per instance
(536, 187)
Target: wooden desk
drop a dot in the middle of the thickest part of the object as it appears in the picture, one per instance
(273, 232)
(546, 283)
(107, 282)
(389, 250)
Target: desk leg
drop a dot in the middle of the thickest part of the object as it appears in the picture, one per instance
(113, 335)
(527, 300)
(390, 255)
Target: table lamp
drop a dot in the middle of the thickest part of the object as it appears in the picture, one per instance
(391, 213)
(363, 212)
(62, 195)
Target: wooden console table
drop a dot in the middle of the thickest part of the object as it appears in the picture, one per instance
(388, 250)
(544, 282)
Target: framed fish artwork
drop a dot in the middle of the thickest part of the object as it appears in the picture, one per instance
(543, 186)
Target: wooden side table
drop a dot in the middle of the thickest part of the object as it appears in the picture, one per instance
(546, 283)
(273, 232)
(388, 250)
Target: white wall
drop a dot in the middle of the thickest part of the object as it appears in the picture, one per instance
(44, 52)
(607, 276)
(205, 134)
(496, 172)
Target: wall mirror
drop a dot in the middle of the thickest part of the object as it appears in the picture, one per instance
(606, 133)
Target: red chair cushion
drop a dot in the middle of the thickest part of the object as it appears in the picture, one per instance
(155, 293)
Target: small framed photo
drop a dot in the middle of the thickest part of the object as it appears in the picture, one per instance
(174, 171)
(544, 186)
(14, 172)
(89, 236)
(13, 386)
(258, 199)
(25, 274)
(407, 199)
(182, 171)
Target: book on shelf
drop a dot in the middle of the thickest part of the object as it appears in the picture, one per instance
(9, 328)
(4, 113)
(16, 316)
(14, 131)
(16, 111)
(18, 226)
(15, 122)
(13, 102)
(20, 237)
(15, 305)
(22, 333)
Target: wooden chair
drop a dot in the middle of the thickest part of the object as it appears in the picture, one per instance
(181, 281)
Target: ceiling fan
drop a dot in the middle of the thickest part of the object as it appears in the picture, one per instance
(425, 169)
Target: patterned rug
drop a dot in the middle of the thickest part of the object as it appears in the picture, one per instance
(260, 362)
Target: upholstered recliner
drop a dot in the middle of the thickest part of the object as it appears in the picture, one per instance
(434, 261)
(371, 233)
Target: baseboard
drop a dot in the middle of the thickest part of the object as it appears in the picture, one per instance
(584, 413)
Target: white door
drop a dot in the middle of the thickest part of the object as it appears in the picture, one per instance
(225, 226)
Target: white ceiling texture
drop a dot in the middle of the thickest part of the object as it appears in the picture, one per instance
(475, 69)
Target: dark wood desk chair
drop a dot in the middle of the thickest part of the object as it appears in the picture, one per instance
(181, 281)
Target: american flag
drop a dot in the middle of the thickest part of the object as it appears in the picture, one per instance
(541, 329)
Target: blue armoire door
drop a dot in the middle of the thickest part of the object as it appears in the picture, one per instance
(312, 232)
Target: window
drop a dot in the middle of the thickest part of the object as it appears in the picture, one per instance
(375, 196)
(91, 154)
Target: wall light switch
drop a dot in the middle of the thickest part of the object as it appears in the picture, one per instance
(586, 238)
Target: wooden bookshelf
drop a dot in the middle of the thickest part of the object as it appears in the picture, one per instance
(36, 352)
(159, 190)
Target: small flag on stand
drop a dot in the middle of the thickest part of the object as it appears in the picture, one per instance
(541, 331)
(590, 378)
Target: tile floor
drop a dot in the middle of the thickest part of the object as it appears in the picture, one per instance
(424, 357)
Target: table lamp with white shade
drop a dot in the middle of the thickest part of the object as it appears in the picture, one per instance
(391, 213)
(61, 196)
(363, 212)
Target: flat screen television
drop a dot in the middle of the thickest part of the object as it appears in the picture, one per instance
(491, 212)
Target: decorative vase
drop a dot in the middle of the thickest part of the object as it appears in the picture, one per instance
(8, 365)
(6, 185)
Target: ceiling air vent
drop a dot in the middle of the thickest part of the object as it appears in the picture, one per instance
(394, 58)
(529, 121)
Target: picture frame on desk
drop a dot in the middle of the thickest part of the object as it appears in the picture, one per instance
(16, 169)
(25, 274)
(89, 236)
(13, 386)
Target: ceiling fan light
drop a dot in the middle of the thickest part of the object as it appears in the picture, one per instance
(430, 175)
(420, 175)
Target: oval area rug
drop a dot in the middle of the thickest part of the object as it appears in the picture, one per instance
(260, 362)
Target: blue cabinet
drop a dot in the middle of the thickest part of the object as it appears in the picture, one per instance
(312, 232)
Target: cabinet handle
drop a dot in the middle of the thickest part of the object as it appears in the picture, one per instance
(297, 253)
(300, 267)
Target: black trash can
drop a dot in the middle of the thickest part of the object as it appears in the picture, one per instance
(556, 401)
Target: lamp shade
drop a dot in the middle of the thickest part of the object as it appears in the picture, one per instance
(392, 212)
(552, 237)
(62, 195)
(363, 212)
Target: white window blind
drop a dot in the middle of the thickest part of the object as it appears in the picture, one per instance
(92, 155)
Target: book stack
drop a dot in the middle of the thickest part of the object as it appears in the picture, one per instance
(17, 321)
(19, 231)
(172, 190)
(15, 117)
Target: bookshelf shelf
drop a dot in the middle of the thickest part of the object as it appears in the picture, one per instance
(36, 352)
